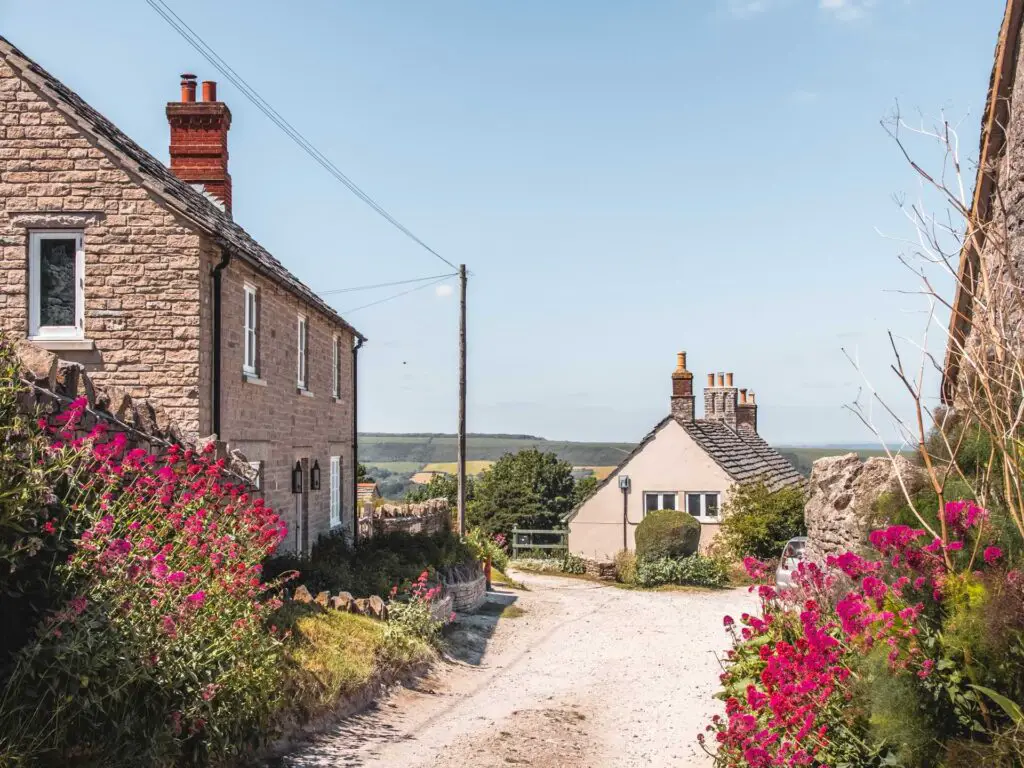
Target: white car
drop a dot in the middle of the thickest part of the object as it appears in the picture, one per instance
(792, 556)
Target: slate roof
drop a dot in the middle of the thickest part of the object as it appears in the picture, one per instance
(744, 456)
(179, 196)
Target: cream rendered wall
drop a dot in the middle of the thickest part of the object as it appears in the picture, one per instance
(672, 461)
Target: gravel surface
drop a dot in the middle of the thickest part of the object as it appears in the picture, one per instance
(588, 676)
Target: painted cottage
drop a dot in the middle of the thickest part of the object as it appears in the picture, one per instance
(684, 463)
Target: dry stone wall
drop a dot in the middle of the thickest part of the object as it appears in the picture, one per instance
(428, 517)
(843, 491)
(467, 596)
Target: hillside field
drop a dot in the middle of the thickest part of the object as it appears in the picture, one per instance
(405, 454)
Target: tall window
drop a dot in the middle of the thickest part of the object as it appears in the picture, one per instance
(655, 500)
(703, 506)
(301, 377)
(56, 285)
(336, 368)
(249, 361)
(335, 490)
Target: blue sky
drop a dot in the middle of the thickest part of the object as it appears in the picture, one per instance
(624, 180)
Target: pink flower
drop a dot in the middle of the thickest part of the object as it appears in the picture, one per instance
(49, 527)
(728, 621)
(177, 578)
(196, 598)
(991, 554)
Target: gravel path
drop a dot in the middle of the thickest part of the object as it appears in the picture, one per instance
(589, 676)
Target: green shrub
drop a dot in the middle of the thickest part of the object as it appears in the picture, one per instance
(374, 566)
(695, 571)
(573, 564)
(667, 533)
(757, 522)
(625, 567)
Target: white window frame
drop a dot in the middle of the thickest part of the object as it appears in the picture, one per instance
(250, 329)
(69, 332)
(704, 517)
(336, 385)
(661, 500)
(302, 352)
(257, 474)
(335, 491)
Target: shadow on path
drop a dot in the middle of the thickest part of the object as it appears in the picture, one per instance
(469, 636)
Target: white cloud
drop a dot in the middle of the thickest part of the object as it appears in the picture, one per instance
(444, 291)
(745, 9)
(847, 10)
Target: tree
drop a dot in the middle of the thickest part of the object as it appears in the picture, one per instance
(758, 522)
(361, 476)
(584, 487)
(528, 489)
(442, 486)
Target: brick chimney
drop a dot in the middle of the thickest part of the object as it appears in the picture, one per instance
(746, 413)
(682, 390)
(199, 139)
(720, 399)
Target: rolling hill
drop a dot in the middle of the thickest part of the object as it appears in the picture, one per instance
(401, 453)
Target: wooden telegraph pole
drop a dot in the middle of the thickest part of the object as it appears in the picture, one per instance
(462, 400)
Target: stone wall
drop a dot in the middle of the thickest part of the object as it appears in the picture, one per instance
(269, 419)
(467, 596)
(429, 517)
(842, 495)
(600, 569)
(142, 265)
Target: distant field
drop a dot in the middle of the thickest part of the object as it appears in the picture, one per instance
(411, 453)
(472, 467)
(599, 472)
(392, 466)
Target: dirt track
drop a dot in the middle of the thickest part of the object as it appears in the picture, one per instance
(589, 676)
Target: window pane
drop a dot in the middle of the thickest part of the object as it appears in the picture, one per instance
(650, 502)
(711, 504)
(57, 281)
(693, 504)
(668, 501)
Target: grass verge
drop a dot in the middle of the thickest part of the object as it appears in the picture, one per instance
(333, 655)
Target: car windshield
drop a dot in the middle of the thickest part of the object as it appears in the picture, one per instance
(794, 550)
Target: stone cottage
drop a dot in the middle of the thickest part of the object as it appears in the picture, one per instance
(990, 273)
(137, 271)
(684, 463)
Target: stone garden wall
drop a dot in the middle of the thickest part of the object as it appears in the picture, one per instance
(467, 596)
(432, 516)
(842, 496)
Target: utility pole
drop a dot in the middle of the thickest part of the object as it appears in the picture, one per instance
(462, 400)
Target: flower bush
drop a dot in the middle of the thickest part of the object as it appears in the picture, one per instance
(158, 648)
(411, 612)
(892, 660)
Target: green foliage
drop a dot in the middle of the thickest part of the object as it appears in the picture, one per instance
(374, 566)
(485, 547)
(667, 533)
(573, 564)
(694, 570)
(757, 522)
(625, 567)
(585, 486)
(443, 486)
(528, 489)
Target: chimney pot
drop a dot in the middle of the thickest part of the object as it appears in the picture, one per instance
(728, 379)
(711, 379)
(753, 399)
(188, 87)
(209, 90)
(721, 379)
(681, 361)
(743, 396)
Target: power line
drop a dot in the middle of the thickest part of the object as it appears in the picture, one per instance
(387, 285)
(207, 52)
(396, 296)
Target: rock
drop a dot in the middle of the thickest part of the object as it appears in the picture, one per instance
(67, 379)
(302, 595)
(362, 606)
(378, 609)
(322, 599)
(39, 364)
(840, 509)
(344, 601)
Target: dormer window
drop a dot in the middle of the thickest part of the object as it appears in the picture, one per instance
(56, 285)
